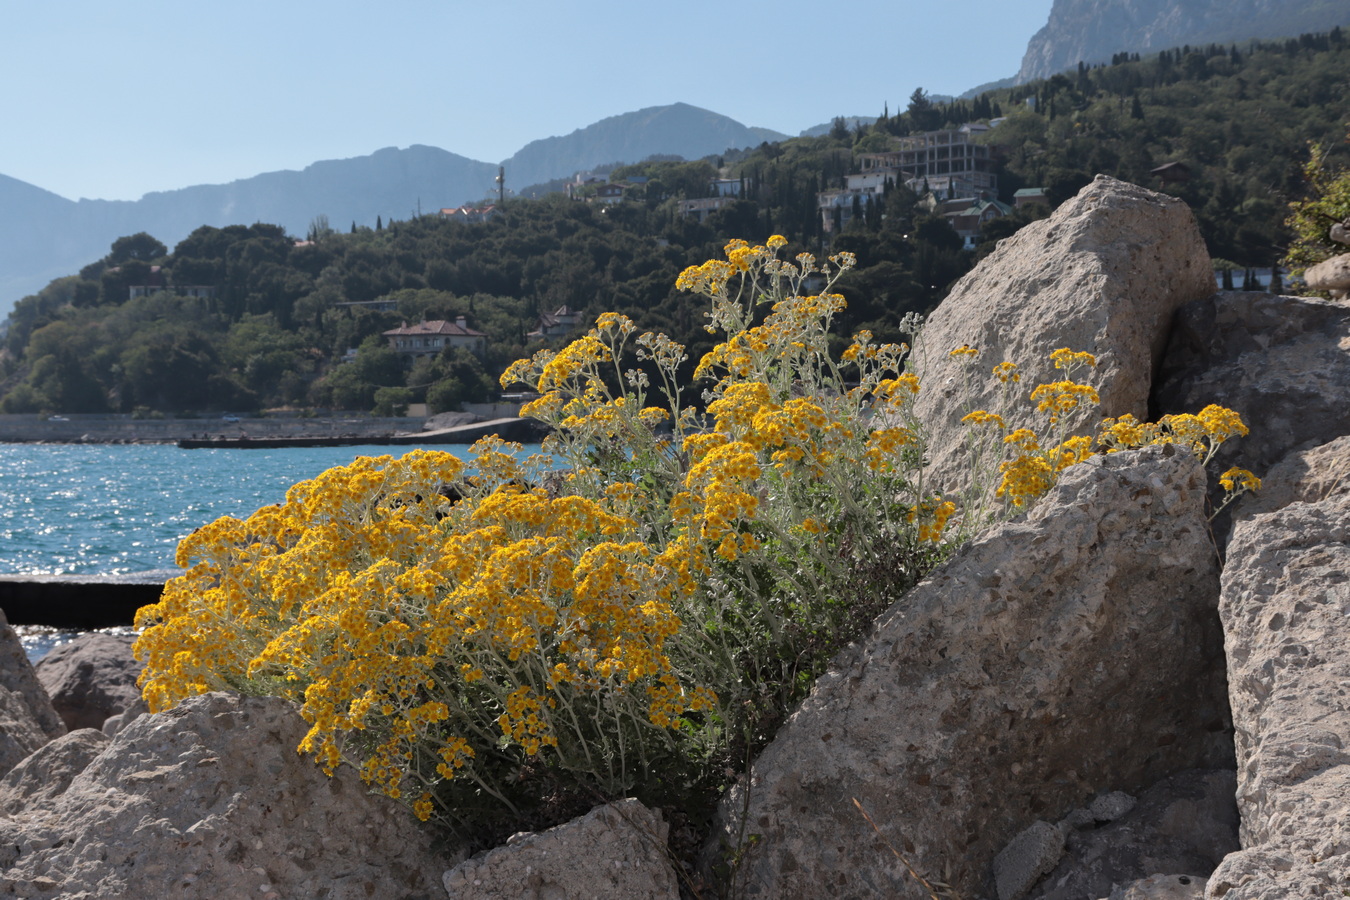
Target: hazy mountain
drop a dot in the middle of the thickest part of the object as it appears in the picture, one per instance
(678, 129)
(1092, 30)
(44, 236)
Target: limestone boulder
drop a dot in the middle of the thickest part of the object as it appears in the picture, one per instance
(48, 771)
(1286, 613)
(1070, 653)
(208, 800)
(91, 678)
(1103, 274)
(1282, 362)
(27, 719)
(1306, 475)
(1331, 275)
(615, 852)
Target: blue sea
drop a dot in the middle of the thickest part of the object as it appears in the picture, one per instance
(121, 509)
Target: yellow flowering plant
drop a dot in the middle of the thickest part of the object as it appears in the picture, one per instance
(498, 640)
(1029, 460)
(624, 613)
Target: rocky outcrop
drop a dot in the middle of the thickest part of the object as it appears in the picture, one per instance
(1307, 475)
(1055, 657)
(1283, 363)
(27, 719)
(1284, 609)
(46, 773)
(1180, 828)
(1092, 31)
(209, 800)
(1103, 274)
(91, 678)
(615, 852)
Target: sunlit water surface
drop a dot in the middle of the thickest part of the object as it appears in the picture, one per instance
(121, 509)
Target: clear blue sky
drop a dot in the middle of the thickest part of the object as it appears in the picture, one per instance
(112, 100)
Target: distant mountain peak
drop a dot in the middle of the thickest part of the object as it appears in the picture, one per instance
(678, 129)
(1091, 31)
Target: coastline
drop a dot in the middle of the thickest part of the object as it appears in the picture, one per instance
(263, 432)
(114, 428)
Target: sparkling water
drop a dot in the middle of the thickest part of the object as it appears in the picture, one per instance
(121, 509)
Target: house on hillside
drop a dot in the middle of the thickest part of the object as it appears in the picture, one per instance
(1030, 197)
(971, 214)
(562, 321)
(609, 193)
(726, 187)
(430, 338)
(703, 207)
(158, 281)
(948, 164)
(470, 214)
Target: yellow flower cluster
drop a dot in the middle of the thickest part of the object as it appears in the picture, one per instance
(389, 610)
(1027, 469)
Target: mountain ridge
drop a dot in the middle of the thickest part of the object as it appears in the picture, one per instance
(1091, 31)
(44, 236)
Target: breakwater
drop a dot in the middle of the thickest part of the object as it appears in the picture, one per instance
(76, 602)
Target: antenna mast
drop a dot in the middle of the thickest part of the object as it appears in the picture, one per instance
(501, 185)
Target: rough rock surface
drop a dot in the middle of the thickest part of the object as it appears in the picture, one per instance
(27, 719)
(1162, 887)
(117, 722)
(209, 800)
(49, 770)
(91, 678)
(1308, 475)
(1286, 614)
(615, 852)
(978, 704)
(1030, 855)
(1104, 274)
(1282, 362)
(1184, 824)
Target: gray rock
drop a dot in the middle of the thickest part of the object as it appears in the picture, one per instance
(27, 719)
(49, 770)
(1185, 823)
(1306, 475)
(211, 799)
(1103, 274)
(976, 706)
(615, 852)
(116, 723)
(1027, 857)
(1283, 363)
(1109, 807)
(91, 678)
(1286, 613)
(1162, 887)
(1329, 275)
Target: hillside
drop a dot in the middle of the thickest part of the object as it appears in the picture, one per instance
(1092, 31)
(279, 327)
(43, 236)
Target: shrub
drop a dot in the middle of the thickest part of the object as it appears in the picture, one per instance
(636, 609)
